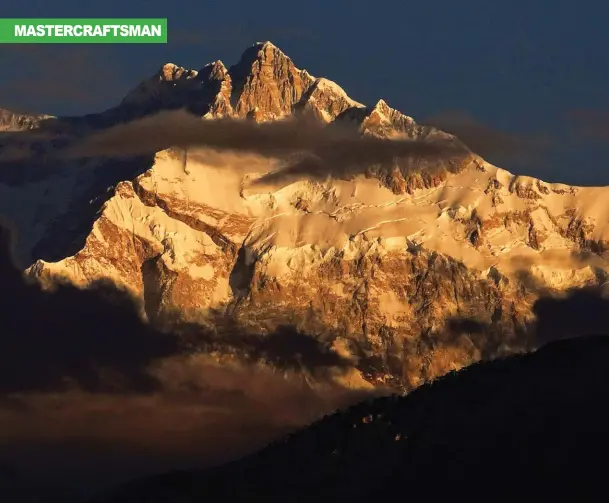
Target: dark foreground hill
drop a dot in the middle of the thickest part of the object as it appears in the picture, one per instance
(533, 425)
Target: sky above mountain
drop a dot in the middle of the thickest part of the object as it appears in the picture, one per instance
(534, 71)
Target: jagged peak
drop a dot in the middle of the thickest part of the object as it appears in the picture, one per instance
(324, 85)
(267, 45)
(216, 69)
(216, 64)
(10, 120)
(265, 72)
(5, 112)
(263, 48)
(385, 116)
(260, 51)
(171, 71)
(381, 104)
(383, 109)
(170, 66)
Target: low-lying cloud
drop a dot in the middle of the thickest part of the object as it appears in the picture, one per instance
(305, 147)
(84, 381)
(277, 138)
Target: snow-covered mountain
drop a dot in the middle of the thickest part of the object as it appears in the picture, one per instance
(373, 267)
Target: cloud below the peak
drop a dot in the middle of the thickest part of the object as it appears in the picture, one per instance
(305, 147)
(278, 138)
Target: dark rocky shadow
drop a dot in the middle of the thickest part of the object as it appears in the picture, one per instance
(537, 420)
(79, 355)
(93, 338)
(284, 347)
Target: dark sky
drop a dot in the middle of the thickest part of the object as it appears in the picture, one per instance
(515, 68)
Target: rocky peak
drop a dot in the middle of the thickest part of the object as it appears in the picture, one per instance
(218, 84)
(173, 72)
(384, 121)
(382, 107)
(159, 87)
(11, 121)
(326, 100)
(203, 92)
(265, 85)
(215, 71)
(266, 78)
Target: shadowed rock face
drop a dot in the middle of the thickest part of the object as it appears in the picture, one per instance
(538, 421)
(372, 265)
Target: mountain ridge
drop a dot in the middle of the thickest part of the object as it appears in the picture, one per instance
(374, 264)
(536, 420)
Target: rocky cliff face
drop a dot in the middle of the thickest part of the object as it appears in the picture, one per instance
(373, 268)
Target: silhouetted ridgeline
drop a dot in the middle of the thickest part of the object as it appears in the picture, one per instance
(533, 425)
(537, 424)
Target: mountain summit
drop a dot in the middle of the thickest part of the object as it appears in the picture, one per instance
(373, 268)
(264, 84)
